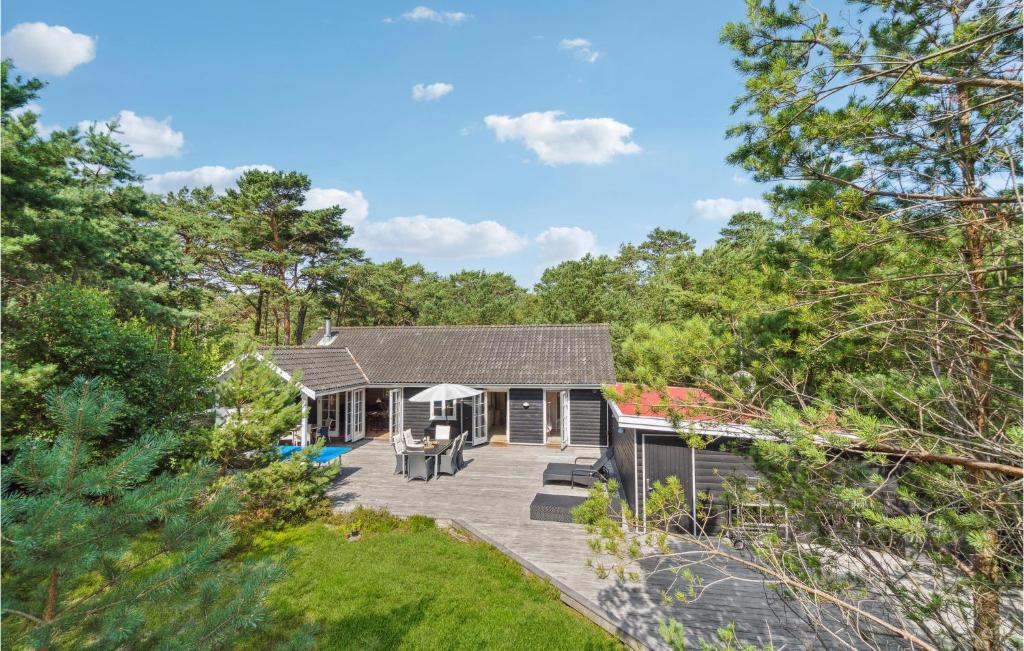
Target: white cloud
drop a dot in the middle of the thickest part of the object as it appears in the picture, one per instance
(426, 14)
(740, 179)
(26, 108)
(146, 136)
(438, 237)
(561, 243)
(52, 49)
(355, 204)
(591, 141)
(712, 209)
(219, 177)
(581, 48)
(431, 92)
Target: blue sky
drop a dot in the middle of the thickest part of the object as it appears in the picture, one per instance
(477, 174)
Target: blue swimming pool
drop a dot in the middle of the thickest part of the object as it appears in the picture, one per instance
(326, 455)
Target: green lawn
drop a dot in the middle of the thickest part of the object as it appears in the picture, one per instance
(414, 587)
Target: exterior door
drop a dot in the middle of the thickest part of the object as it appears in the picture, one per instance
(563, 420)
(479, 433)
(355, 428)
(663, 457)
(395, 411)
(329, 414)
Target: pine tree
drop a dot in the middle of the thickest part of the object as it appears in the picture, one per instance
(258, 408)
(282, 252)
(113, 552)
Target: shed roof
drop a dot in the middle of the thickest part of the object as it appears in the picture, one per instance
(656, 403)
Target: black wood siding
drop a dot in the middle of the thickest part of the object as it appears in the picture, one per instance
(623, 450)
(464, 411)
(588, 417)
(526, 424)
(310, 410)
(711, 468)
(416, 415)
(666, 455)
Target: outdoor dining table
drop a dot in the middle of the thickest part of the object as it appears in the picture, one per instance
(435, 449)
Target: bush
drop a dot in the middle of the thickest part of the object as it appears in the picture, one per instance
(69, 331)
(287, 492)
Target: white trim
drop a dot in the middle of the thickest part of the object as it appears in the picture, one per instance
(643, 456)
(693, 490)
(304, 433)
(567, 416)
(636, 475)
(544, 418)
(443, 416)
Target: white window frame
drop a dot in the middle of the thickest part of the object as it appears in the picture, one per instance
(447, 405)
(329, 405)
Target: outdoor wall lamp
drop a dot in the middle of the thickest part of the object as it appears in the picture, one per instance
(526, 405)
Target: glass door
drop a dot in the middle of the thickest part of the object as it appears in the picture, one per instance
(479, 434)
(563, 399)
(396, 415)
(329, 414)
(355, 414)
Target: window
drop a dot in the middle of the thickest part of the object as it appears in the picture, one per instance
(442, 410)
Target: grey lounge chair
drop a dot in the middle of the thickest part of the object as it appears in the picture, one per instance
(577, 474)
(461, 462)
(447, 461)
(418, 465)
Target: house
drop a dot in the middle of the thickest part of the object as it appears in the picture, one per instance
(648, 448)
(541, 384)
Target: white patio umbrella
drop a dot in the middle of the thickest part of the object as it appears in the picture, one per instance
(445, 392)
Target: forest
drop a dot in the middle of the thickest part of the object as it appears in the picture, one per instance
(880, 295)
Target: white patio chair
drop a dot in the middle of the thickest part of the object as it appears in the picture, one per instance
(410, 442)
(442, 432)
(399, 446)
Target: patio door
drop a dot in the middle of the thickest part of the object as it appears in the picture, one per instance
(329, 414)
(355, 412)
(563, 421)
(396, 414)
(479, 434)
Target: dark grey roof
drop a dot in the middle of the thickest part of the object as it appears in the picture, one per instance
(496, 355)
(321, 368)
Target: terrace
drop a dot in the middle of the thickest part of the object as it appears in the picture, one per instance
(491, 498)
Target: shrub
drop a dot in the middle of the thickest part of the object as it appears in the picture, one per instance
(287, 492)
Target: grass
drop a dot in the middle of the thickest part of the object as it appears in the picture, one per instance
(405, 584)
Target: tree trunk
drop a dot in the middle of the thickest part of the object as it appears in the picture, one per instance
(50, 609)
(986, 598)
(985, 564)
(287, 319)
(300, 325)
(259, 315)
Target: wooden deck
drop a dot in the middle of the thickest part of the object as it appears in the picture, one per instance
(493, 495)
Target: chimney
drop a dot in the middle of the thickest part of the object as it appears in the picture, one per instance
(327, 327)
